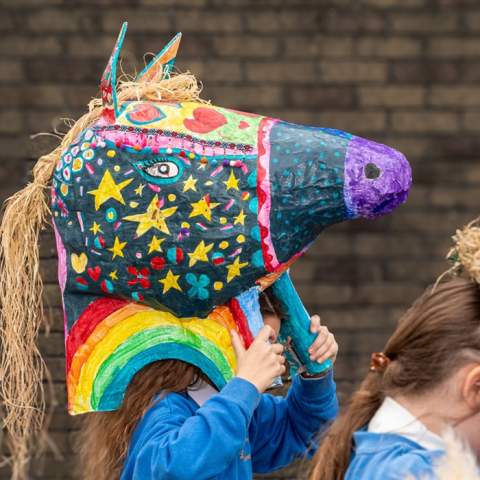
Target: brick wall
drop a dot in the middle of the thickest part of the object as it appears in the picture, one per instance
(405, 72)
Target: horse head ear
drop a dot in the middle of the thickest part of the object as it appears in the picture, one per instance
(108, 84)
(161, 65)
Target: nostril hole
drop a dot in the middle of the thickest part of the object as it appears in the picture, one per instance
(372, 171)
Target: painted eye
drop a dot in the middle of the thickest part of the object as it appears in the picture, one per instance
(163, 169)
(159, 170)
(372, 171)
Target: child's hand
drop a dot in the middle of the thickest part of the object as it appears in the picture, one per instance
(324, 347)
(262, 362)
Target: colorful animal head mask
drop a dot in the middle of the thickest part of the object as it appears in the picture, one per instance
(171, 215)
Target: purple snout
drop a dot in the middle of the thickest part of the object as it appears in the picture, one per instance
(377, 178)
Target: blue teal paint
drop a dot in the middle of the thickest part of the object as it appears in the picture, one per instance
(296, 323)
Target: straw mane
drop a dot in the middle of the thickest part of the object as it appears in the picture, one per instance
(22, 367)
(465, 254)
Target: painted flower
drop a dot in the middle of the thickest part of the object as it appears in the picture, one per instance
(140, 276)
(199, 286)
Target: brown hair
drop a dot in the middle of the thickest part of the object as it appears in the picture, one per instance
(437, 335)
(105, 436)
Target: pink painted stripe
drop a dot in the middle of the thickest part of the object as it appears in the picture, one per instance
(264, 194)
(62, 269)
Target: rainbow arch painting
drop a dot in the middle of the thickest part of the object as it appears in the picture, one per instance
(104, 354)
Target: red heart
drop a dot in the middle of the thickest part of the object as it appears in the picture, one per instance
(94, 273)
(205, 120)
(145, 113)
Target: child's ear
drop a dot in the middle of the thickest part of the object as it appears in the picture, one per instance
(471, 388)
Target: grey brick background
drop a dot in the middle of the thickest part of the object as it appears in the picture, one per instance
(405, 72)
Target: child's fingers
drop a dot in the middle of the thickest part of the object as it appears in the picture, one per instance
(322, 337)
(323, 348)
(237, 344)
(278, 348)
(315, 323)
(265, 334)
(330, 355)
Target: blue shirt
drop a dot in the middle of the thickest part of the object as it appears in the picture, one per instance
(233, 434)
(387, 456)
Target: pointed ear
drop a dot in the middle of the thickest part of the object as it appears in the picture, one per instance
(108, 84)
(162, 63)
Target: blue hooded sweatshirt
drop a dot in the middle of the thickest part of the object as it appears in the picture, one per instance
(236, 432)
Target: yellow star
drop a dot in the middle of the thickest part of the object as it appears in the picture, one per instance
(108, 189)
(154, 217)
(139, 189)
(203, 207)
(95, 228)
(155, 244)
(234, 269)
(200, 253)
(113, 275)
(240, 218)
(232, 181)
(170, 281)
(190, 184)
(117, 248)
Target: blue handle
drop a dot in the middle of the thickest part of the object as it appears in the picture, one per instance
(296, 323)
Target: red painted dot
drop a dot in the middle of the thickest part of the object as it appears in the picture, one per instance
(157, 263)
(180, 255)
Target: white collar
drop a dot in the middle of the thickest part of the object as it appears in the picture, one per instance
(392, 417)
(201, 392)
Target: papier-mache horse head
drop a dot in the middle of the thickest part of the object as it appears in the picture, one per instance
(171, 217)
